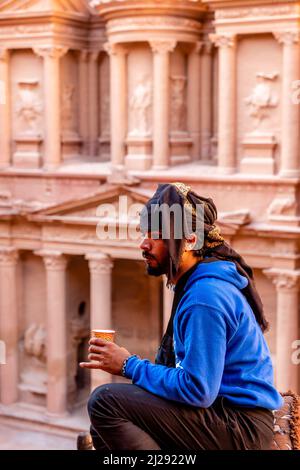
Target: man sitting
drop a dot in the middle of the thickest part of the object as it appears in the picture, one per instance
(211, 386)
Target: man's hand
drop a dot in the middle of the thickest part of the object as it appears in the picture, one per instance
(108, 356)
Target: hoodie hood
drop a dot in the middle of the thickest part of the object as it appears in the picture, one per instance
(224, 270)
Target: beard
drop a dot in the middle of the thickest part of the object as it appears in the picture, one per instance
(155, 271)
(158, 270)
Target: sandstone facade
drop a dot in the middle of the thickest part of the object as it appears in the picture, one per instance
(104, 99)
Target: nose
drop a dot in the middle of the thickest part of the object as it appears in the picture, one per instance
(145, 245)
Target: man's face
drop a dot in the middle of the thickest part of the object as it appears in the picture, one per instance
(155, 253)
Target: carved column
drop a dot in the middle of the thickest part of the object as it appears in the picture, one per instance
(9, 324)
(100, 267)
(57, 365)
(193, 98)
(206, 95)
(4, 109)
(227, 102)
(93, 103)
(290, 158)
(118, 102)
(52, 140)
(83, 99)
(287, 329)
(161, 102)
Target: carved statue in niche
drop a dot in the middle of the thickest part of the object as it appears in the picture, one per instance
(35, 342)
(178, 103)
(67, 109)
(139, 105)
(262, 98)
(33, 347)
(29, 107)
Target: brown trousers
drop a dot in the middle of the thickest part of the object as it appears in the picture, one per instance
(126, 417)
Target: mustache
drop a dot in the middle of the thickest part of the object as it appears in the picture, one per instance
(147, 256)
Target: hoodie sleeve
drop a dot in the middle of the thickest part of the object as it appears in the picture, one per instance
(201, 353)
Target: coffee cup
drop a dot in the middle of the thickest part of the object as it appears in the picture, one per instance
(105, 335)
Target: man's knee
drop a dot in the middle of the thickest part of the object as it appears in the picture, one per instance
(98, 401)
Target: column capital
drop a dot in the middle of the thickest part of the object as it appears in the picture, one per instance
(207, 47)
(284, 279)
(99, 263)
(53, 52)
(162, 47)
(83, 55)
(8, 256)
(54, 260)
(223, 40)
(287, 38)
(113, 48)
(93, 55)
(196, 47)
(4, 54)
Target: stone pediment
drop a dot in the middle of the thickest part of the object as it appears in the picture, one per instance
(80, 7)
(125, 202)
(86, 210)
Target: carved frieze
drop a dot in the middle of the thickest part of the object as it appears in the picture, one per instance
(31, 33)
(153, 23)
(16, 6)
(255, 12)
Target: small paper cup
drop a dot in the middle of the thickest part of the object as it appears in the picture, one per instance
(105, 335)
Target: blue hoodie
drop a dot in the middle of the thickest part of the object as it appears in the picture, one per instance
(219, 347)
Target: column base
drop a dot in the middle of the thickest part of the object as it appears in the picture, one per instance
(64, 414)
(259, 151)
(27, 154)
(138, 162)
(222, 170)
(160, 167)
(139, 155)
(180, 148)
(104, 148)
(71, 144)
(289, 173)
